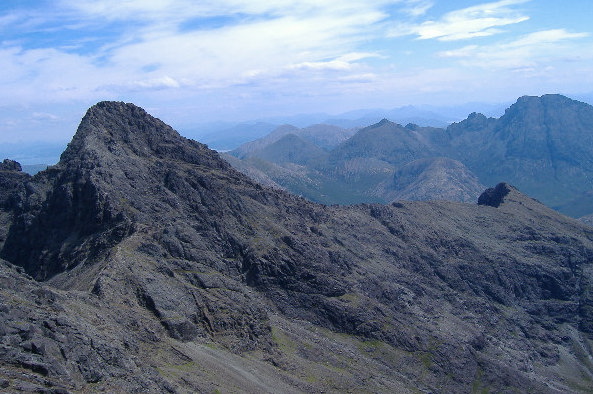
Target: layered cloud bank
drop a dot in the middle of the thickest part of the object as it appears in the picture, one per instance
(241, 59)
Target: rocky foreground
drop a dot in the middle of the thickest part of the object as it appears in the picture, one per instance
(143, 262)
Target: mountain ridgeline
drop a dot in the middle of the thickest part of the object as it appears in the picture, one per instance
(543, 145)
(143, 261)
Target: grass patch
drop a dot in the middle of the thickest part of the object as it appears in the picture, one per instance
(478, 384)
(370, 345)
(352, 298)
(174, 370)
(311, 379)
(284, 342)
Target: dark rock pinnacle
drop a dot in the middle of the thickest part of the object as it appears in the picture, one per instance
(10, 165)
(494, 196)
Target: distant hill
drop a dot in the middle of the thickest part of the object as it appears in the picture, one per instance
(228, 135)
(292, 149)
(403, 115)
(544, 145)
(362, 168)
(386, 141)
(434, 178)
(322, 136)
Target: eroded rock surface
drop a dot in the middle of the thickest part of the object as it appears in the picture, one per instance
(160, 267)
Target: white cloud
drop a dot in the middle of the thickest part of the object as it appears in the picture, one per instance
(466, 51)
(8, 19)
(546, 37)
(335, 65)
(177, 10)
(342, 63)
(534, 51)
(44, 116)
(273, 38)
(355, 56)
(360, 78)
(476, 21)
(156, 83)
(44, 75)
(417, 8)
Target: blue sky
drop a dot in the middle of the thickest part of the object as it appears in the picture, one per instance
(190, 62)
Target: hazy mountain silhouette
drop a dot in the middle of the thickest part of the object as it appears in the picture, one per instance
(541, 144)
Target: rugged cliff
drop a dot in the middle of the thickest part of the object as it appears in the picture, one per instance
(144, 261)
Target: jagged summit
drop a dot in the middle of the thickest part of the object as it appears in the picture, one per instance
(545, 114)
(108, 123)
(503, 193)
(546, 99)
(382, 122)
(123, 121)
(475, 122)
(113, 131)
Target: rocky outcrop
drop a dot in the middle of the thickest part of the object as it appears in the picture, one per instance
(494, 196)
(10, 165)
(12, 181)
(160, 267)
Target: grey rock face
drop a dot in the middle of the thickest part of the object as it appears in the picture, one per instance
(12, 190)
(159, 267)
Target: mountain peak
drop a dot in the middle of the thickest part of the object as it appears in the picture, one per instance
(545, 98)
(113, 132)
(109, 124)
(381, 123)
(476, 116)
(121, 168)
(546, 101)
(119, 118)
(475, 122)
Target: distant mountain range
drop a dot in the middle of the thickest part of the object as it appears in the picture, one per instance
(224, 136)
(544, 145)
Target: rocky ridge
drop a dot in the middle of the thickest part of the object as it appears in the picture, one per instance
(159, 267)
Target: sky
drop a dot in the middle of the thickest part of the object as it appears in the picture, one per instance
(190, 62)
